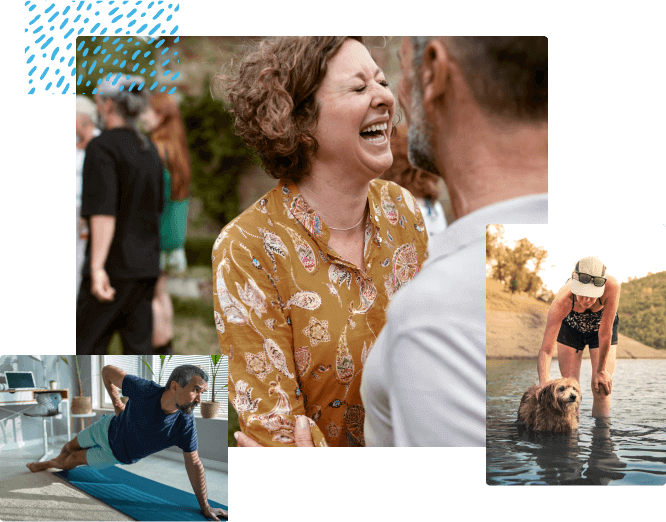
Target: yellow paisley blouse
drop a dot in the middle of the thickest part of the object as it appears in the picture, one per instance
(297, 321)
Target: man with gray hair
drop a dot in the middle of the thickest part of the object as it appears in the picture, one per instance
(478, 114)
(122, 198)
(154, 418)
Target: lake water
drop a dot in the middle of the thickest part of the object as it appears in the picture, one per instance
(629, 448)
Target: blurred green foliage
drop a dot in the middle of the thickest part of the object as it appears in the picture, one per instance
(97, 56)
(218, 156)
(199, 250)
(234, 426)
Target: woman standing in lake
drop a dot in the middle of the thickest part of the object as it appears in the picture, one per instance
(584, 312)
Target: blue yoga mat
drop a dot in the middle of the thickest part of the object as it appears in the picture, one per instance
(138, 497)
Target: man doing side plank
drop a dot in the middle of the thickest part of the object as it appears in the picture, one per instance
(155, 418)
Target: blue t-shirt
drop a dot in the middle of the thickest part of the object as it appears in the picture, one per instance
(143, 428)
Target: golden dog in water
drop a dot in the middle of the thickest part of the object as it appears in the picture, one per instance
(551, 407)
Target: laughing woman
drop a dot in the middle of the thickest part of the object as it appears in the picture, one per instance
(303, 278)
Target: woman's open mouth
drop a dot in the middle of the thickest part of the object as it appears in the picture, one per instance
(374, 133)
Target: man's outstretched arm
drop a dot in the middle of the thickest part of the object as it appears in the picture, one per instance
(197, 476)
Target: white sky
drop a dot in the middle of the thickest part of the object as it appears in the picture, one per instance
(626, 251)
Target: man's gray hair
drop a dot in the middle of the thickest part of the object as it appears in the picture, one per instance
(183, 375)
(508, 75)
(129, 98)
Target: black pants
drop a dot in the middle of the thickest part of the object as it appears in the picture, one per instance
(131, 313)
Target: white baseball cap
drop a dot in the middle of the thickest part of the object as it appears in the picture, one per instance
(592, 266)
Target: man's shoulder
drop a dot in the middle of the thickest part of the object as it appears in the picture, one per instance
(141, 384)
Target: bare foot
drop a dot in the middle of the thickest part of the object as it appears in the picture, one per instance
(39, 466)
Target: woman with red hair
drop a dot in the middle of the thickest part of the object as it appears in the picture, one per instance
(163, 120)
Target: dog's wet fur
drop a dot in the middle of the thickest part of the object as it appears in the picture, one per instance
(551, 407)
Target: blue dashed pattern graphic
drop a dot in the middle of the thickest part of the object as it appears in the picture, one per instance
(51, 29)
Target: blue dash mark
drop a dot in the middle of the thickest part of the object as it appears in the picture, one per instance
(100, 33)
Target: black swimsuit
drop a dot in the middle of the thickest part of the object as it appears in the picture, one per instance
(582, 328)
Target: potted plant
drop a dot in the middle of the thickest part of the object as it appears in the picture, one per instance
(80, 404)
(53, 385)
(210, 409)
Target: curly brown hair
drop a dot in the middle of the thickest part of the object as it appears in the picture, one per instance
(273, 100)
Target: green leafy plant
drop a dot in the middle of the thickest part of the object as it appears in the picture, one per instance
(217, 154)
(162, 357)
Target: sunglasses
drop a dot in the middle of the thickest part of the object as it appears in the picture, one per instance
(586, 278)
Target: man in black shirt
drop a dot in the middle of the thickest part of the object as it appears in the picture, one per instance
(122, 197)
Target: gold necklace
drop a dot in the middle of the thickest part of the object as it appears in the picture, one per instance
(357, 224)
(333, 228)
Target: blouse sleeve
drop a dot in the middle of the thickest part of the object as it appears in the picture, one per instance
(255, 333)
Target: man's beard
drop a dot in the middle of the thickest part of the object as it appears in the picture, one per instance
(420, 151)
(187, 409)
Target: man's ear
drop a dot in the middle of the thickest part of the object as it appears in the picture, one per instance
(435, 70)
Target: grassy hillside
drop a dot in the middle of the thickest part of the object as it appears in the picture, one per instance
(643, 310)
